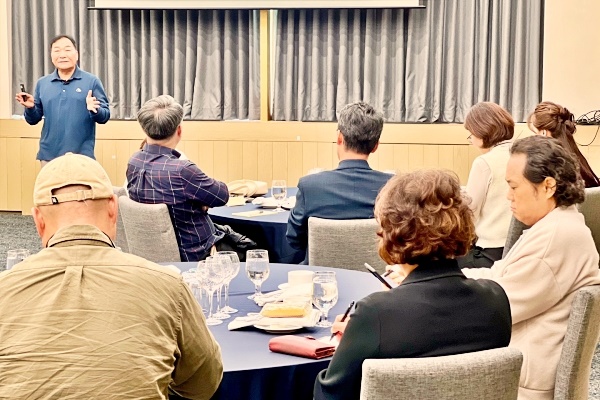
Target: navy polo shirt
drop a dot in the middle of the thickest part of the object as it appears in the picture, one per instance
(68, 125)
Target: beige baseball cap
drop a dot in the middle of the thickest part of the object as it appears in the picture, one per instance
(71, 169)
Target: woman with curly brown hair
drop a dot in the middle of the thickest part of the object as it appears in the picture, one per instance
(553, 120)
(551, 260)
(424, 225)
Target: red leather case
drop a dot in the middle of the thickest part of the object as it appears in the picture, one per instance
(303, 346)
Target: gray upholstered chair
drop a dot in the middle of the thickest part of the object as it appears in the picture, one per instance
(121, 240)
(590, 209)
(515, 230)
(573, 373)
(346, 244)
(149, 230)
(482, 375)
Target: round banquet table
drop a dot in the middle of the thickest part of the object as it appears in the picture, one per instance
(253, 372)
(268, 231)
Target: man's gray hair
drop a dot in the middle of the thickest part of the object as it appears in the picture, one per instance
(361, 127)
(160, 117)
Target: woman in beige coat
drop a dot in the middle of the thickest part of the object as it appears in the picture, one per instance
(550, 261)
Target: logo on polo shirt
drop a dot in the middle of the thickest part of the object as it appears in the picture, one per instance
(78, 90)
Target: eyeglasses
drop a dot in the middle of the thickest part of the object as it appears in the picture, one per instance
(469, 137)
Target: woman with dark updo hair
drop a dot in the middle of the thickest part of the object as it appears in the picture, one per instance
(553, 120)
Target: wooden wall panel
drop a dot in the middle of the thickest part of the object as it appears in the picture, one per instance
(250, 160)
(259, 156)
(401, 158)
(294, 167)
(220, 161)
(386, 157)
(206, 157)
(446, 158)
(415, 156)
(431, 156)
(310, 157)
(280, 161)
(462, 163)
(326, 153)
(264, 163)
(235, 163)
(4, 177)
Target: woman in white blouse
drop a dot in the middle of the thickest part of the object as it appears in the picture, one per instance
(491, 128)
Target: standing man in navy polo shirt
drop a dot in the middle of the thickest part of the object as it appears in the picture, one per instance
(71, 102)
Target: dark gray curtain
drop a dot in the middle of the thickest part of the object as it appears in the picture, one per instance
(208, 60)
(415, 65)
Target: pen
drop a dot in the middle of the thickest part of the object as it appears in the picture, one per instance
(343, 318)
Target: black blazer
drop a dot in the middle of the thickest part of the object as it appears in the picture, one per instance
(436, 311)
(347, 192)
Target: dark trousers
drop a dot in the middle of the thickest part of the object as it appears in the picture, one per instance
(480, 258)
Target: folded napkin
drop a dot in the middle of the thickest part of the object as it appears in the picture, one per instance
(307, 321)
(290, 292)
(236, 201)
(268, 297)
(253, 213)
(303, 346)
(270, 202)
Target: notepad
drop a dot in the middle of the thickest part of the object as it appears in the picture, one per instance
(236, 201)
(254, 213)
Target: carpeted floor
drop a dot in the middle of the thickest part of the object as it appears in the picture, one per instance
(18, 232)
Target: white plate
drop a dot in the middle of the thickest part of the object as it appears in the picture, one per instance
(283, 286)
(278, 328)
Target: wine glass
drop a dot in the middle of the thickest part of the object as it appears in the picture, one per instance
(279, 192)
(233, 269)
(325, 295)
(210, 276)
(226, 265)
(257, 269)
(15, 256)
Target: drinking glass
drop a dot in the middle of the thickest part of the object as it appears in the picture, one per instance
(325, 295)
(257, 269)
(190, 278)
(279, 192)
(234, 269)
(226, 264)
(211, 276)
(13, 257)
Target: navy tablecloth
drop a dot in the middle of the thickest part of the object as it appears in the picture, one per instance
(267, 231)
(253, 372)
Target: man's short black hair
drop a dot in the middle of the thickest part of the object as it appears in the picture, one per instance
(56, 39)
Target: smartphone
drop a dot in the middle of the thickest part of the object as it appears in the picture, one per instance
(376, 275)
(24, 91)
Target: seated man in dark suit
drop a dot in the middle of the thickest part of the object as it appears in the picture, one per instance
(349, 191)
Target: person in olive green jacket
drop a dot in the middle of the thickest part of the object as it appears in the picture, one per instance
(81, 319)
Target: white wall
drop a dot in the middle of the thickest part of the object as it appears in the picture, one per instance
(572, 54)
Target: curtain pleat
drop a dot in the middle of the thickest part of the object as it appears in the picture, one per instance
(415, 65)
(207, 59)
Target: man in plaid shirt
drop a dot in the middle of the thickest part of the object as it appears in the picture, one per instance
(156, 174)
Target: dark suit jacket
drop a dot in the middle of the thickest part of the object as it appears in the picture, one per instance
(436, 311)
(347, 192)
